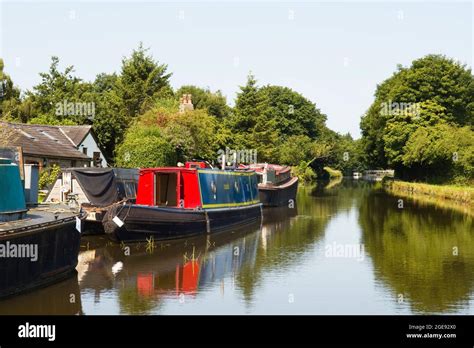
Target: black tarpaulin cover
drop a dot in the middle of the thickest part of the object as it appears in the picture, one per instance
(98, 184)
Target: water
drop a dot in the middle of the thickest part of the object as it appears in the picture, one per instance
(345, 249)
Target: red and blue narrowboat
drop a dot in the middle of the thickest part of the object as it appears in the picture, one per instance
(177, 202)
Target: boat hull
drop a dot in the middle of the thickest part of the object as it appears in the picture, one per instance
(57, 243)
(278, 195)
(142, 222)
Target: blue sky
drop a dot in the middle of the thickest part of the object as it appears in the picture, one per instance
(333, 53)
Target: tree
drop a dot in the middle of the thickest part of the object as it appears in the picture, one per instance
(142, 81)
(110, 121)
(187, 135)
(434, 90)
(9, 96)
(145, 147)
(213, 102)
(292, 112)
(441, 152)
(56, 89)
(296, 149)
(249, 106)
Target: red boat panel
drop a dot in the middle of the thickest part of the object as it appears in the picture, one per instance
(145, 191)
(182, 190)
(190, 190)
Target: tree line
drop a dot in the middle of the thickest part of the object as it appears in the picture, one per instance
(137, 121)
(420, 122)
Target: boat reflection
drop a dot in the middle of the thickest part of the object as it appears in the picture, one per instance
(144, 276)
(62, 298)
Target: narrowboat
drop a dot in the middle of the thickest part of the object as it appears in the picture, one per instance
(93, 190)
(184, 201)
(276, 185)
(38, 246)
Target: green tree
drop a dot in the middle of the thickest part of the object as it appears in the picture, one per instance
(9, 96)
(214, 102)
(187, 135)
(142, 81)
(56, 88)
(292, 112)
(110, 121)
(145, 146)
(296, 149)
(442, 152)
(437, 89)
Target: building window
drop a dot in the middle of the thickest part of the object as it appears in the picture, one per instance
(84, 150)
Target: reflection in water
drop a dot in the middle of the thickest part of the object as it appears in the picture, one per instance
(63, 298)
(422, 252)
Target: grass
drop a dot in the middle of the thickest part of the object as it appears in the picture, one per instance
(459, 194)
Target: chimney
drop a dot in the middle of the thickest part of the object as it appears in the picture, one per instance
(185, 103)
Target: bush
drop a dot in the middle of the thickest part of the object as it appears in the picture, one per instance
(48, 176)
(145, 147)
(304, 172)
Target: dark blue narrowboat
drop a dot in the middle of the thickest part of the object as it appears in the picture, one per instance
(37, 246)
(177, 202)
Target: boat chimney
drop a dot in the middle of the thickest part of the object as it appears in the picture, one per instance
(223, 162)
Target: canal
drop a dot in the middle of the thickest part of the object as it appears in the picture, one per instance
(345, 248)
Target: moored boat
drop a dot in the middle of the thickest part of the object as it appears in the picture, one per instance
(39, 246)
(276, 185)
(94, 189)
(177, 202)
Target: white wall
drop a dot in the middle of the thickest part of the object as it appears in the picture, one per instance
(92, 147)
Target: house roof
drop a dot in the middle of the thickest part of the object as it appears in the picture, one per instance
(44, 140)
(76, 133)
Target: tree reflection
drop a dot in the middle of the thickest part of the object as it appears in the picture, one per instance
(422, 252)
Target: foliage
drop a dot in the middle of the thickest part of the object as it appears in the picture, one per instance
(459, 194)
(268, 119)
(48, 176)
(141, 81)
(296, 149)
(304, 172)
(145, 146)
(9, 96)
(213, 102)
(333, 173)
(443, 151)
(440, 93)
(292, 112)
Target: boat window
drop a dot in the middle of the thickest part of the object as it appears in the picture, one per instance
(165, 189)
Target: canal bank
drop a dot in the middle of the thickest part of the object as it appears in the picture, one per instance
(449, 194)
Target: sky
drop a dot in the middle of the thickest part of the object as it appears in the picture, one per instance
(334, 54)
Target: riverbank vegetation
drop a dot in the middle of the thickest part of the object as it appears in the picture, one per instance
(421, 123)
(459, 194)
